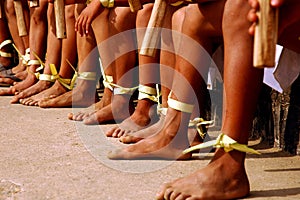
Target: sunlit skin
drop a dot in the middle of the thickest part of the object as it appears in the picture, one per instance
(225, 176)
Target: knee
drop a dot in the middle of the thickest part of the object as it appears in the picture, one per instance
(39, 14)
(178, 18)
(235, 17)
(70, 12)
(124, 18)
(10, 8)
(144, 14)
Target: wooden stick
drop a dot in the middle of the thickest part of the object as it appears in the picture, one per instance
(265, 37)
(135, 5)
(20, 18)
(152, 35)
(59, 11)
(34, 3)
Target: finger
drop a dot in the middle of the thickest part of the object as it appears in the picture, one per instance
(251, 30)
(252, 16)
(254, 4)
(79, 24)
(87, 26)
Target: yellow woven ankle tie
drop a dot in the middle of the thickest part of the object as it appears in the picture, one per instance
(123, 90)
(177, 105)
(198, 123)
(147, 92)
(66, 82)
(25, 58)
(107, 81)
(2, 53)
(88, 76)
(223, 141)
(38, 75)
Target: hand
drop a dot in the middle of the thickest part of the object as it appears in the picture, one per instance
(252, 16)
(84, 21)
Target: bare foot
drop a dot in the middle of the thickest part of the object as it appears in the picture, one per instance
(19, 68)
(55, 90)
(21, 75)
(119, 109)
(166, 144)
(83, 95)
(40, 86)
(19, 86)
(105, 100)
(144, 133)
(224, 178)
(143, 116)
(7, 81)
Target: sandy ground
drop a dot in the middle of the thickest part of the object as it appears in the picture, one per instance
(43, 155)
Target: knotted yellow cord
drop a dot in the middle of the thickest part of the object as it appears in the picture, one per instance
(223, 141)
(146, 92)
(3, 53)
(197, 123)
(66, 82)
(123, 90)
(25, 58)
(177, 105)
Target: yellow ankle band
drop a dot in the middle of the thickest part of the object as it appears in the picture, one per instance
(66, 82)
(146, 92)
(198, 123)
(223, 141)
(107, 81)
(89, 76)
(123, 90)
(45, 77)
(2, 53)
(177, 105)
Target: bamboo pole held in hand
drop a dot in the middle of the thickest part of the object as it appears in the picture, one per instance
(265, 37)
(60, 22)
(34, 3)
(20, 18)
(152, 35)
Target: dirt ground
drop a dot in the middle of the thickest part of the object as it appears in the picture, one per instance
(43, 155)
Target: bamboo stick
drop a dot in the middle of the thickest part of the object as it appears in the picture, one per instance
(34, 3)
(152, 35)
(20, 18)
(60, 22)
(265, 37)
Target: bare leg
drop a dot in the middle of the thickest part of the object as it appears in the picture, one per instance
(101, 33)
(7, 58)
(21, 42)
(120, 19)
(240, 104)
(7, 62)
(38, 39)
(84, 93)
(68, 53)
(145, 112)
(53, 45)
(242, 85)
(167, 63)
(172, 139)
